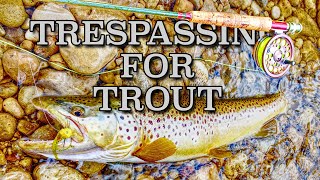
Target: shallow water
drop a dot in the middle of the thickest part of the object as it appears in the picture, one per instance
(293, 153)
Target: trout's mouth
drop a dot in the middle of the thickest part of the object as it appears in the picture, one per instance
(77, 142)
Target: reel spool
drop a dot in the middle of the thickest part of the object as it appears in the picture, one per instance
(274, 55)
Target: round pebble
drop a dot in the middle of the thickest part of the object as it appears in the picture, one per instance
(8, 126)
(12, 106)
(275, 12)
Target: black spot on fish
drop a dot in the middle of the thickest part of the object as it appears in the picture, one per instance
(121, 117)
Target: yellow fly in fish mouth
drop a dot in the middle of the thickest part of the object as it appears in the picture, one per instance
(141, 137)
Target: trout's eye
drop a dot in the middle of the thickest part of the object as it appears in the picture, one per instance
(77, 111)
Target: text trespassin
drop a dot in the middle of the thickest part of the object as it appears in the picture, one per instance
(119, 33)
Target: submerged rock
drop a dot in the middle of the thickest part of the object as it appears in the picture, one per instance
(310, 27)
(283, 171)
(262, 3)
(310, 52)
(183, 6)
(55, 82)
(12, 13)
(285, 6)
(89, 13)
(12, 106)
(47, 171)
(91, 168)
(310, 7)
(26, 94)
(206, 172)
(8, 126)
(141, 80)
(15, 35)
(240, 3)
(3, 160)
(27, 127)
(208, 5)
(52, 11)
(236, 165)
(256, 9)
(294, 2)
(8, 89)
(275, 12)
(21, 66)
(85, 59)
(201, 74)
(45, 132)
(17, 173)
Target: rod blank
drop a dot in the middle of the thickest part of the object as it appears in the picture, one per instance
(214, 18)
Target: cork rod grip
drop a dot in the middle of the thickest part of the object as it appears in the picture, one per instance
(232, 20)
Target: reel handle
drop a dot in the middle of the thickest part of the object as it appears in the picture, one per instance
(292, 63)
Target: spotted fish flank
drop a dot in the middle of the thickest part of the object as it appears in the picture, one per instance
(153, 137)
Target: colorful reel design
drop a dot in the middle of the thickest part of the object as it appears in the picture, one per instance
(274, 55)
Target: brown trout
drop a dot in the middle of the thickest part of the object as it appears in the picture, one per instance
(141, 137)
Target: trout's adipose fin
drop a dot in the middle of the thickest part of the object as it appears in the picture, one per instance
(268, 129)
(157, 150)
(220, 152)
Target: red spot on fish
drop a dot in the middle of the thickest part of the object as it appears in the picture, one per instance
(150, 122)
(135, 128)
(128, 137)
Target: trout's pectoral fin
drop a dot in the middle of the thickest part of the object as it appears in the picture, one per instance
(157, 150)
(268, 129)
(220, 152)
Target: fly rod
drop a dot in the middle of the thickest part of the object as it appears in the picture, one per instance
(273, 54)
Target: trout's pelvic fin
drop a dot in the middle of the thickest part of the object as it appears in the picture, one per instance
(157, 150)
(268, 129)
(220, 152)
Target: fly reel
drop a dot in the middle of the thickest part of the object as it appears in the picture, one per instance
(274, 55)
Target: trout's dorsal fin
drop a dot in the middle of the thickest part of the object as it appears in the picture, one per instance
(157, 150)
(268, 129)
(220, 152)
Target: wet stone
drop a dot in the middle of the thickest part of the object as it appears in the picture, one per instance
(12, 106)
(12, 13)
(46, 132)
(21, 66)
(8, 126)
(47, 171)
(17, 173)
(50, 82)
(27, 127)
(3, 160)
